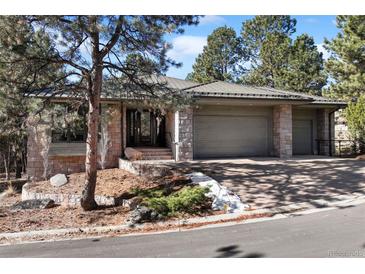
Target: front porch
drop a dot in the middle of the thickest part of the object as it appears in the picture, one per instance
(149, 132)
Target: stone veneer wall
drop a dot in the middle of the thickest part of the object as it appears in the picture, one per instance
(64, 163)
(185, 149)
(282, 131)
(115, 135)
(34, 148)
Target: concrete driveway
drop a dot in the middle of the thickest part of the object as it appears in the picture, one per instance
(273, 182)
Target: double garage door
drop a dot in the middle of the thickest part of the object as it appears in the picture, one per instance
(243, 132)
(232, 133)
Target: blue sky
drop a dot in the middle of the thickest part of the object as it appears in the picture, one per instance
(187, 46)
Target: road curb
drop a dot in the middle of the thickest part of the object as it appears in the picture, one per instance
(223, 219)
(104, 229)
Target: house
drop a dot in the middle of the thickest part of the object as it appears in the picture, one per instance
(224, 120)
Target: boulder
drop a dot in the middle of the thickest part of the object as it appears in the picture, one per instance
(360, 157)
(142, 214)
(33, 204)
(132, 154)
(223, 198)
(134, 202)
(58, 180)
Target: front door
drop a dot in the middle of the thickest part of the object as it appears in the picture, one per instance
(144, 128)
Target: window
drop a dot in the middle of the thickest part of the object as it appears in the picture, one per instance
(68, 123)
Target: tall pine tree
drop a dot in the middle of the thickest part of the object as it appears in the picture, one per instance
(255, 33)
(279, 62)
(221, 58)
(305, 70)
(346, 65)
(92, 47)
(16, 79)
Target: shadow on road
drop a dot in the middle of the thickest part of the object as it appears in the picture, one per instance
(233, 251)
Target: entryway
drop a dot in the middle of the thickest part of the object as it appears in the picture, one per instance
(145, 128)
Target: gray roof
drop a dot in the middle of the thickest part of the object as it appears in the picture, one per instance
(224, 89)
(214, 89)
(230, 90)
(315, 99)
(173, 83)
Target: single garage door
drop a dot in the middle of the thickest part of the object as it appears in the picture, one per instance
(219, 136)
(302, 137)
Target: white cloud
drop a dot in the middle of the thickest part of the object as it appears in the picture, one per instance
(325, 53)
(334, 22)
(211, 19)
(311, 20)
(186, 46)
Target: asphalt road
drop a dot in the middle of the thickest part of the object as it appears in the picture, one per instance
(338, 233)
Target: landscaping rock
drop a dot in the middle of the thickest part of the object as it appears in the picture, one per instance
(360, 157)
(142, 214)
(223, 199)
(58, 180)
(132, 154)
(134, 202)
(33, 204)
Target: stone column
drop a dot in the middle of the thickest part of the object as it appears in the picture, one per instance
(115, 135)
(34, 157)
(282, 131)
(185, 148)
(124, 127)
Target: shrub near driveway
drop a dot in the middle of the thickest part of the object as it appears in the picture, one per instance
(189, 199)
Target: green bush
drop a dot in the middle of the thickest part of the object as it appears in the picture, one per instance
(148, 193)
(355, 116)
(187, 200)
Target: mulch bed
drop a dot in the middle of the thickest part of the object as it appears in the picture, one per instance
(56, 217)
(110, 182)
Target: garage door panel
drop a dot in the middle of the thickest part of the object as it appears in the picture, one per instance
(302, 137)
(230, 136)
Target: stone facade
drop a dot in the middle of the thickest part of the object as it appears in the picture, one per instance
(282, 131)
(70, 157)
(115, 134)
(185, 149)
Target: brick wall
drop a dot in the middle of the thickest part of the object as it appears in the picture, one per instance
(71, 158)
(185, 150)
(282, 131)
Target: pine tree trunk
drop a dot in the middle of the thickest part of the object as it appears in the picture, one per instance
(6, 167)
(18, 167)
(88, 194)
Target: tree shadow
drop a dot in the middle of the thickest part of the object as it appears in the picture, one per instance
(233, 251)
(228, 251)
(254, 255)
(274, 182)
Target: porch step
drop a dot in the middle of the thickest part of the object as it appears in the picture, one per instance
(157, 157)
(155, 153)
